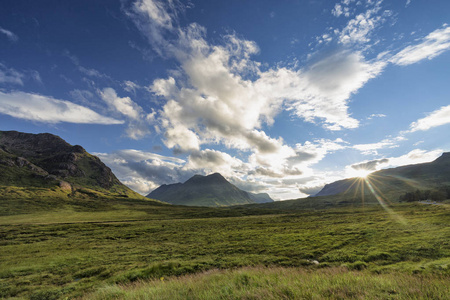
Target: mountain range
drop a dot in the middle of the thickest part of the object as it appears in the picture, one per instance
(44, 166)
(212, 190)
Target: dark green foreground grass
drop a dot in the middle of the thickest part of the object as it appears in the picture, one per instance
(70, 253)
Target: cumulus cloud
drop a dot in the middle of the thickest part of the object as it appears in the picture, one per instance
(9, 34)
(206, 105)
(145, 169)
(436, 118)
(124, 105)
(211, 161)
(214, 87)
(45, 109)
(434, 44)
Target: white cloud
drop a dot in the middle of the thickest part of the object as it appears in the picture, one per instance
(9, 75)
(376, 116)
(337, 10)
(145, 171)
(211, 161)
(92, 72)
(138, 120)
(9, 34)
(416, 156)
(434, 44)
(371, 148)
(125, 105)
(39, 108)
(155, 19)
(434, 119)
(130, 86)
(359, 29)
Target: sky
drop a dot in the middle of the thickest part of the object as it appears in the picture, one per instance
(279, 97)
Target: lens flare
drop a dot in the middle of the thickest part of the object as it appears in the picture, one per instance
(383, 204)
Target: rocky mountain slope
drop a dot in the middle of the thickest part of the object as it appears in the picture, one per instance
(45, 161)
(211, 190)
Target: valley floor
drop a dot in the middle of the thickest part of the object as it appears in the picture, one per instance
(135, 253)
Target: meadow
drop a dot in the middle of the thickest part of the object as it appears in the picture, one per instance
(146, 251)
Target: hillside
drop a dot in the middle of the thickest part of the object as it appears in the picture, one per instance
(212, 190)
(44, 166)
(396, 181)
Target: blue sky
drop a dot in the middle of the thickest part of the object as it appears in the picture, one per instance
(278, 96)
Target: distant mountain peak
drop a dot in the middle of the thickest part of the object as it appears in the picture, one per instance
(215, 178)
(210, 190)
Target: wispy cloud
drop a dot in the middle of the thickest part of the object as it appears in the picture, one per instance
(434, 44)
(45, 109)
(9, 34)
(10, 75)
(436, 118)
(371, 148)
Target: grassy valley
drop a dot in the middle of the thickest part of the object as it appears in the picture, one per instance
(113, 253)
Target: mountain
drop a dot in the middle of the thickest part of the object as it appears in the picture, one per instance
(391, 183)
(211, 190)
(260, 198)
(44, 165)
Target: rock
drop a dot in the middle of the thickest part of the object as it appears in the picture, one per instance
(65, 186)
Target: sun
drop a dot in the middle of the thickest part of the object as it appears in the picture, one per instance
(360, 173)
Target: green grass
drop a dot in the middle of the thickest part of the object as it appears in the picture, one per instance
(75, 250)
(282, 283)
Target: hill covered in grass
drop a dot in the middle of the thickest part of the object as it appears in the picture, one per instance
(395, 181)
(39, 170)
(212, 190)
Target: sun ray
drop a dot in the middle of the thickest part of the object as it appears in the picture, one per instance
(383, 204)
